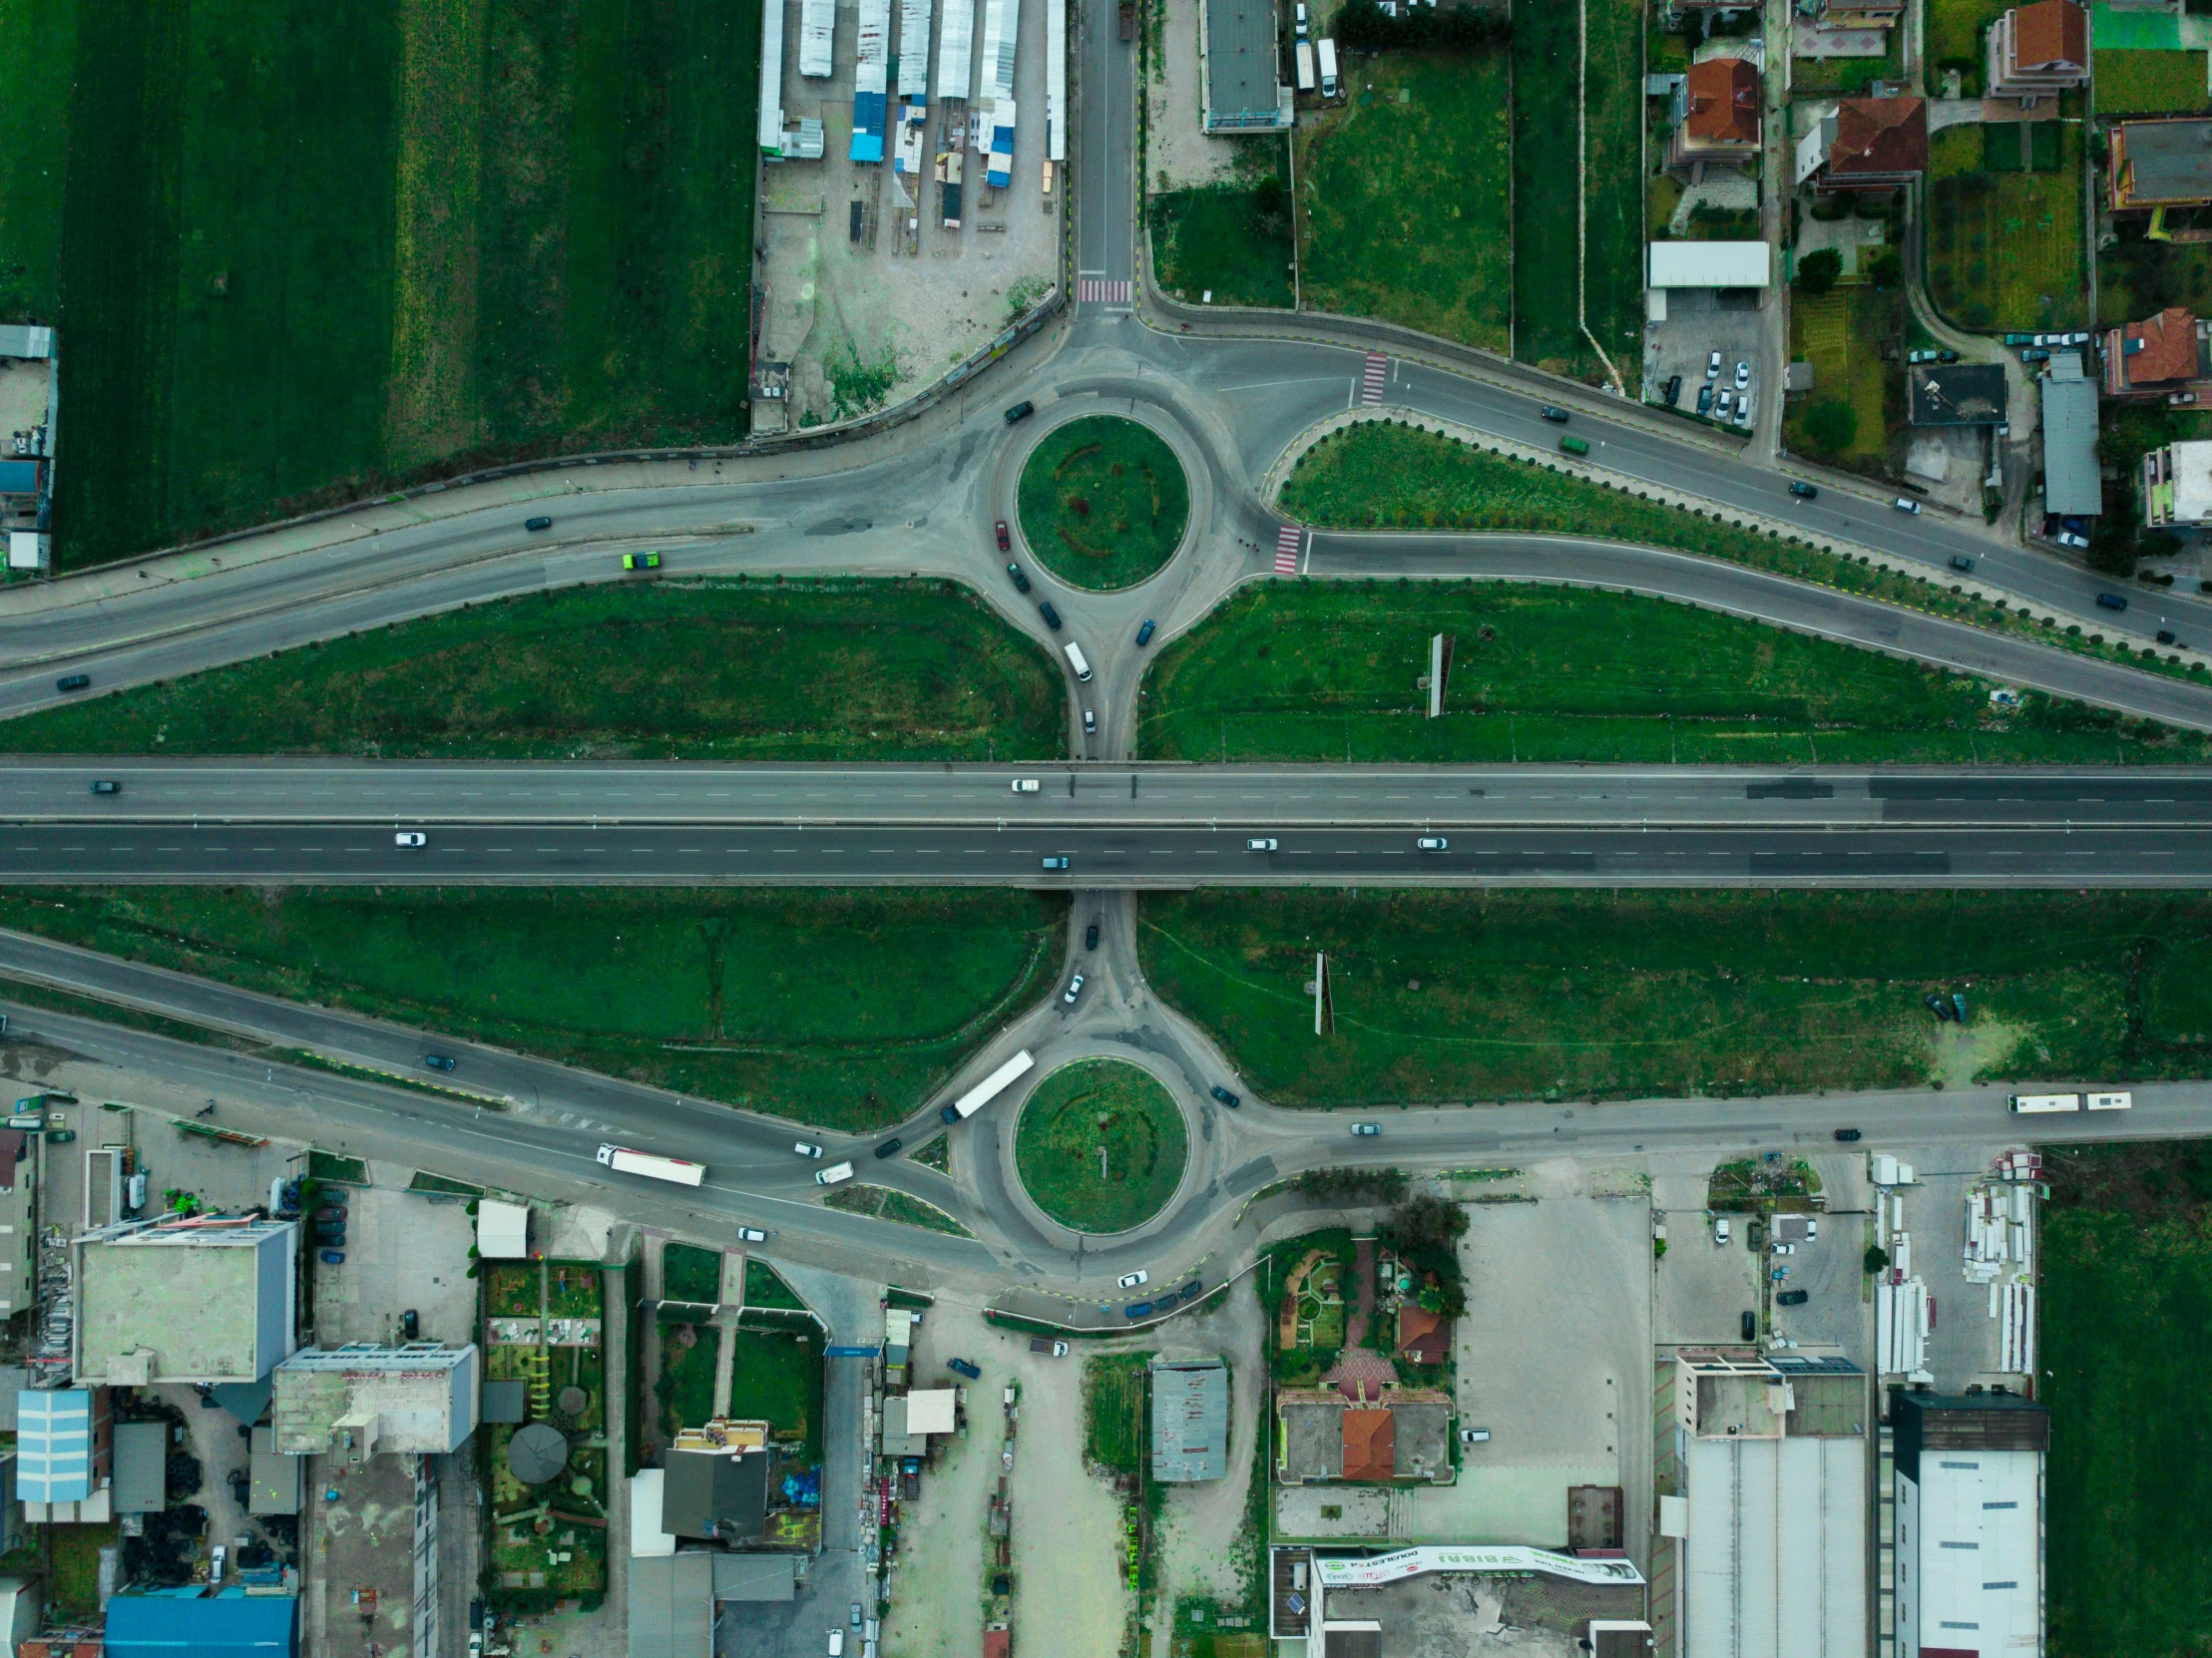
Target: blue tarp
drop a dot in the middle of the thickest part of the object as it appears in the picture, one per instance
(190, 1623)
(18, 477)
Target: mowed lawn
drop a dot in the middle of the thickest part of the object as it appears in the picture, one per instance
(1330, 671)
(2150, 83)
(1841, 333)
(1402, 195)
(1547, 77)
(303, 253)
(1216, 240)
(2004, 242)
(1474, 996)
(845, 670)
(838, 1009)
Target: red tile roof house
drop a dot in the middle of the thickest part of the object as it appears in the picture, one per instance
(1868, 143)
(1424, 1338)
(1717, 113)
(2150, 360)
(2038, 51)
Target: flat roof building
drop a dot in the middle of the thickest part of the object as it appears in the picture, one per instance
(2175, 486)
(141, 1467)
(1243, 73)
(2159, 163)
(18, 1267)
(1191, 1419)
(1710, 264)
(502, 1230)
(238, 1277)
(65, 1448)
(361, 1400)
(1967, 1564)
(2072, 478)
(203, 1623)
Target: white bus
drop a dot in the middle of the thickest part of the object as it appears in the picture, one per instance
(1327, 48)
(2033, 1104)
(969, 1103)
(625, 1161)
(2110, 1102)
(1305, 66)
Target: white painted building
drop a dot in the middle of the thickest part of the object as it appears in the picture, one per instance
(1967, 1565)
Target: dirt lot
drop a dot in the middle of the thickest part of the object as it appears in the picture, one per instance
(1203, 1549)
(1177, 153)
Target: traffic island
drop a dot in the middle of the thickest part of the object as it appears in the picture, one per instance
(1102, 501)
(1101, 1146)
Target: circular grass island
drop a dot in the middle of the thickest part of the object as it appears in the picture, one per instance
(1094, 1106)
(1102, 501)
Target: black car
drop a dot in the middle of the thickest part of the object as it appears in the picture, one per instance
(1847, 1135)
(1090, 936)
(1232, 1101)
(1673, 390)
(1806, 492)
(1938, 1005)
(107, 785)
(1020, 411)
(1557, 415)
(73, 681)
(1792, 1298)
(2166, 635)
(1962, 564)
(890, 1148)
(1947, 357)
(437, 1062)
(1021, 581)
(335, 1236)
(537, 524)
(2106, 602)
(1192, 1289)
(410, 1326)
(1751, 1327)
(1051, 616)
(1144, 633)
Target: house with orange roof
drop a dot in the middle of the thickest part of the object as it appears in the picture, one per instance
(1717, 113)
(2155, 357)
(2038, 51)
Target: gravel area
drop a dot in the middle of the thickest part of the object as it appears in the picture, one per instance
(1177, 153)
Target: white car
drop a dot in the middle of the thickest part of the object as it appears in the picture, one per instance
(752, 1234)
(1432, 843)
(410, 837)
(1130, 1280)
(808, 1149)
(1723, 404)
(1785, 1249)
(1473, 1436)
(1743, 375)
(2067, 538)
(1260, 843)
(1026, 785)
(1743, 410)
(1905, 504)
(833, 1175)
(1712, 367)
(1074, 989)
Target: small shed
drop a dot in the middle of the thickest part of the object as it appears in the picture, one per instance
(140, 1464)
(502, 1230)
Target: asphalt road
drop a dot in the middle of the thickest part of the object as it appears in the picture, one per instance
(411, 794)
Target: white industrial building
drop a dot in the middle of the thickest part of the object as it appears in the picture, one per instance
(1710, 264)
(364, 1399)
(1769, 1511)
(1968, 1564)
(502, 1230)
(236, 1276)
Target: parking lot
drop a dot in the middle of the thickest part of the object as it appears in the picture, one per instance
(1963, 1347)
(1699, 322)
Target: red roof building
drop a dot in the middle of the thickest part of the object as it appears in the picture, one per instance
(1370, 1451)
(1424, 1338)
(2150, 360)
(1716, 113)
(2038, 50)
(1868, 143)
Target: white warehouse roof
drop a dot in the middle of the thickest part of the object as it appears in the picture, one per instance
(1776, 1560)
(1711, 264)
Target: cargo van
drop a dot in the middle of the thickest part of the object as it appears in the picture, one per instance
(1076, 661)
(1327, 50)
(1573, 445)
(834, 1174)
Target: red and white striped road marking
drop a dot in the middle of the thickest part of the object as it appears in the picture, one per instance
(1099, 291)
(1377, 369)
(1289, 540)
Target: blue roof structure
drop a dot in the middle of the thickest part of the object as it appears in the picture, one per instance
(192, 1623)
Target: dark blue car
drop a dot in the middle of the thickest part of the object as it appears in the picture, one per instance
(1144, 633)
(1138, 1310)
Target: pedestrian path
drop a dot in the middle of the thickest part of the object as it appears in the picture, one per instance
(1371, 389)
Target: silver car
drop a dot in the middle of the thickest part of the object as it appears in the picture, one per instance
(1074, 989)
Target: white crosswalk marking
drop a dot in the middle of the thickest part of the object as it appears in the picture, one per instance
(1378, 368)
(1289, 540)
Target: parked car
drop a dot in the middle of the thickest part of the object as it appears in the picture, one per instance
(1192, 1289)
(107, 785)
(1138, 1310)
(331, 1212)
(1006, 537)
(1232, 1101)
(1365, 1130)
(2079, 525)
(1723, 404)
(73, 681)
(1905, 504)
(1743, 375)
(1020, 411)
(1051, 616)
(807, 1148)
(1947, 357)
(1056, 863)
(1785, 1249)
(1961, 564)
(1720, 1232)
(2181, 399)
(1750, 1327)
(1130, 1280)
(60, 1137)
(1144, 633)
(411, 837)
(410, 1326)
(2020, 339)
(1074, 989)
(2074, 538)
(536, 524)
(1090, 936)
(961, 1367)
(1804, 491)
(1431, 843)
(1712, 367)
(1704, 400)
(2166, 637)
(856, 1614)
(1557, 415)
(1056, 1350)
(1792, 1298)
(438, 1062)
(1938, 1005)
(641, 561)
(1673, 390)
(333, 1257)
(1259, 843)
(2111, 601)
(2034, 354)
(1021, 581)
(1473, 1436)
(1848, 1135)
(1743, 409)
(1923, 356)
(890, 1148)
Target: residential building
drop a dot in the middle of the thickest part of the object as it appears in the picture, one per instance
(2038, 51)
(65, 1455)
(2072, 480)
(2159, 163)
(2174, 488)
(715, 1494)
(210, 1623)
(1763, 1493)
(1402, 1433)
(2150, 360)
(239, 1276)
(1860, 14)
(1968, 1564)
(1242, 67)
(1955, 394)
(1424, 1338)
(364, 1399)
(1864, 144)
(1717, 113)
(1191, 1419)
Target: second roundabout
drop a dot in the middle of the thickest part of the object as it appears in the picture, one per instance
(1101, 1146)
(1103, 502)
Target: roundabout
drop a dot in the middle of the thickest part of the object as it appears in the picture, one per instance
(1102, 501)
(1101, 1146)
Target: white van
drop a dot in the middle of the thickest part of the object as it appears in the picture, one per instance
(833, 1174)
(1075, 660)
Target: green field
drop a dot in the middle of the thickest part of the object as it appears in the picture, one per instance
(1547, 76)
(690, 1273)
(686, 1387)
(1102, 501)
(776, 1377)
(764, 1287)
(1841, 333)
(1114, 1412)
(1403, 201)
(2138, 278)
(1329, 671)
(1219, 242)
(1101, 1146)
(1383, 475)
(886, 1204)
(2126, 1317)
(845, 670)
(1628, 994)
(2150, 83)
(1848, 76)
(301, 255)
(839, 1008)
(2005, 246)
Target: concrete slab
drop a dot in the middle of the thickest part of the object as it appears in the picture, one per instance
(1703, 1289)
(402, 1250)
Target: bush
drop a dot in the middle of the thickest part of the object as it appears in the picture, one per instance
(1353, 1185)
(1886, 268)
(1832, 425)
(1816, 272)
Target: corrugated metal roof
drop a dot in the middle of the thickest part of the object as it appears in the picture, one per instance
(672, 1605)
(141, 1462)
(2070, 475)
(226, 1625)
(1190, 1420)
(1776, 1558)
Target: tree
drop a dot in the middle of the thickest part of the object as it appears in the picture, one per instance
(1832, 425)
(1423, 1226)
(1886, 268)
(1816, 272)
(1876, 1258)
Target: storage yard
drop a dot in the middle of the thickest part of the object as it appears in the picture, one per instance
(910, 202)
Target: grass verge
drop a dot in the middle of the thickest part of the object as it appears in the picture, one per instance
(1531, 995)
(886, 1204)
(2005, 246)
(1402, 195)
(1381, 474)
(690, 1273)
(764, 1287)
(1841, 333)
(1101, 1146)
(1114, 1419)
(838, 1009)
(1102, 501)
(1330, 671)
(745, 671)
